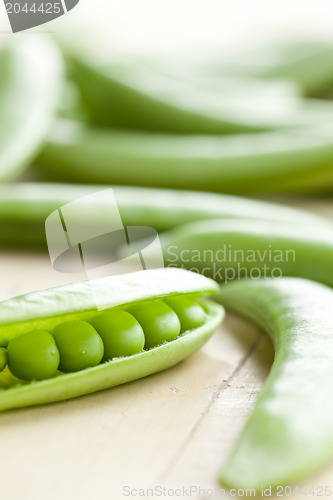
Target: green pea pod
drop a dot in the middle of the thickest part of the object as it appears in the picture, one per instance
(31, 77)
(297, 160)
(306, 63)
(24, 208)
(44, 310)
(126, 94)
(289, 434)
(235, 248)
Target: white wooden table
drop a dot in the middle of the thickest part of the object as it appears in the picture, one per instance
(174, 429)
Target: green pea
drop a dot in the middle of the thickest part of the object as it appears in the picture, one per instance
(33, 356)
(121, 333)
(3, 358)
(191, 314)
(79, 345)
(159, 322)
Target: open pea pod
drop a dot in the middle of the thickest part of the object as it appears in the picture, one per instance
(289, 434)
(31, 78)
(44, 311)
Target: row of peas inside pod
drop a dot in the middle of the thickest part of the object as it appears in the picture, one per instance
(76, 345)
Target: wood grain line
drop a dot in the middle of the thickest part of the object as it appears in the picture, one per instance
(222, 386)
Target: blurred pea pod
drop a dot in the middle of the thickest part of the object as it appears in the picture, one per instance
(24, 208)
(125, 93)
(31, 78)
(308, 64)
(296, 160)
(234, 248)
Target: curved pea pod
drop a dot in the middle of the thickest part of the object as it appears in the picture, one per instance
(126, 94)
(289, 434)
(295, 160)
(236, 248)
(31, 79)
(24, 207)
(306, 63)
(49, 308)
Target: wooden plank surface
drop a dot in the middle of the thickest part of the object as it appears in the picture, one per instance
(173, 430)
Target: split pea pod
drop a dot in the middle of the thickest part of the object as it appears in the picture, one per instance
(231, 249)
(31, 79)
(24, 208)
(297, 160)
(289, 434)
(100, 334)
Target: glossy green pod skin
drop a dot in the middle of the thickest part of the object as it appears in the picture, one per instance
(292, 161)
(24, 208)
(235, 248)
(31, 79)
(289, 434)
(49, 308)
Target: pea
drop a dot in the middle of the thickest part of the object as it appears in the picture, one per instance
(121, 333)
(3, 358)
(79, 345)
(191, 314)
(33, 356)
(159, 322)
